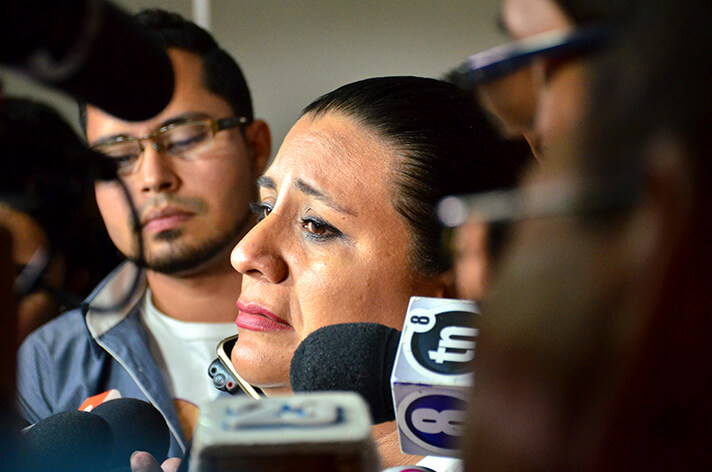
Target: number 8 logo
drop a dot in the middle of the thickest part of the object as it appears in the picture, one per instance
(421, 321)
(432, 421)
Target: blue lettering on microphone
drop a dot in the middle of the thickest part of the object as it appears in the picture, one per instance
(296, 414)
(436, 419)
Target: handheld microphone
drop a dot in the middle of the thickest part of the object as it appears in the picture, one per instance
(356, 357)
(408, 468)
(136, 426)
(102, 439)
(91, 50)
(317, 431)
(433, 373)
(68, 441)
(419, 378)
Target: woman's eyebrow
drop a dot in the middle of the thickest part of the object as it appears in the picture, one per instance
(322, 197)
(266, 182)
(269, 183)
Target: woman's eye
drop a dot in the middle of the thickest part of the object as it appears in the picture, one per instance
(319, 229)
(261, 209)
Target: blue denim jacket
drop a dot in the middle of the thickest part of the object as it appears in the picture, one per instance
(83, 353)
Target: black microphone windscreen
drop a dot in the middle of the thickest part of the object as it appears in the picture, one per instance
(356, 357)
(69, 441)
(90, 49)
(127, 72)
(137, 426)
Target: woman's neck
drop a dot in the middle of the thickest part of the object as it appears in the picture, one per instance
(385, 435)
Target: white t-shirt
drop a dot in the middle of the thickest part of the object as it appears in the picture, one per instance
(441, 464)
(183, 352)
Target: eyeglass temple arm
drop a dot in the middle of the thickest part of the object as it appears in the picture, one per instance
(559, 197)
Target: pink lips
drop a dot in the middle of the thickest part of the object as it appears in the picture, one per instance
(256, 318)
(158, 220)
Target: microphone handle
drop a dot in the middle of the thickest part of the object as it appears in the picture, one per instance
(408, 468)
(186, 458)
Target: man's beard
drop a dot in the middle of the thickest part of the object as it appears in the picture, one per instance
(182, 258)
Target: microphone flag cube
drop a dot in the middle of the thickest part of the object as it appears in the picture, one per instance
(307, 431)
(432, 374)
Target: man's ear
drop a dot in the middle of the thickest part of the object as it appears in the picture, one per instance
(259, 141)
(669, 191)
(446, 285)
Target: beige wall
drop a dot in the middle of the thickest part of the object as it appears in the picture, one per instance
(294, 51)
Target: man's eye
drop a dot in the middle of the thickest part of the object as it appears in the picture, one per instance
(124, 161)
(261, 209)
(185, 144)
(184, 137)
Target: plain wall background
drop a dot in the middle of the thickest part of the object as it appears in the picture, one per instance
(293, 51)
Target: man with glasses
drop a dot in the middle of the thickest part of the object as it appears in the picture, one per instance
(535, 86)
(190, 173)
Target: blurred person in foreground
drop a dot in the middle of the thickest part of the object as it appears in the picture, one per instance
(190, 172)
(9, 436)
(47, 206)
(595, 351)
(537, 88)
(57, 248)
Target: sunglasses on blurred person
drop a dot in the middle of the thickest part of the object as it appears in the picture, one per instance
(505, 77)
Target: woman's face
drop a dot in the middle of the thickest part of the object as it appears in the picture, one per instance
(330, 247)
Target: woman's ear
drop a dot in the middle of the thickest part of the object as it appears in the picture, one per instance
(259, 141)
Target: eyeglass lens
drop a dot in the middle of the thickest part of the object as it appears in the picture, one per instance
(177, 140)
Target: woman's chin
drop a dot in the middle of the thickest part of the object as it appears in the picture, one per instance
(260, 367)
(273, 391)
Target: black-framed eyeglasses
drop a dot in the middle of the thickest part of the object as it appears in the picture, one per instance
(31, 278)
(505, 59)
(184, 139)
(594, 195)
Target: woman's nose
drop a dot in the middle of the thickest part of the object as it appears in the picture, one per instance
(259, 253)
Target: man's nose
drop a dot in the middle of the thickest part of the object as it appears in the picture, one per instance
(156, 171)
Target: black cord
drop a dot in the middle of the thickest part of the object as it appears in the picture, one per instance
(123, 303)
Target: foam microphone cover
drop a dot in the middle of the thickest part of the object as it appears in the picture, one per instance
(137, 426)
(355, 357)
(74, 441)
(119, 65)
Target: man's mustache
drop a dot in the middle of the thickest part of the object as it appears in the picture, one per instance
(191, 204)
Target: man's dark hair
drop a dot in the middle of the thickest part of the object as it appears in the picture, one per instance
(221, 74)
(651, 95)
(596, 11)
(445, 143)
(655, 83)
